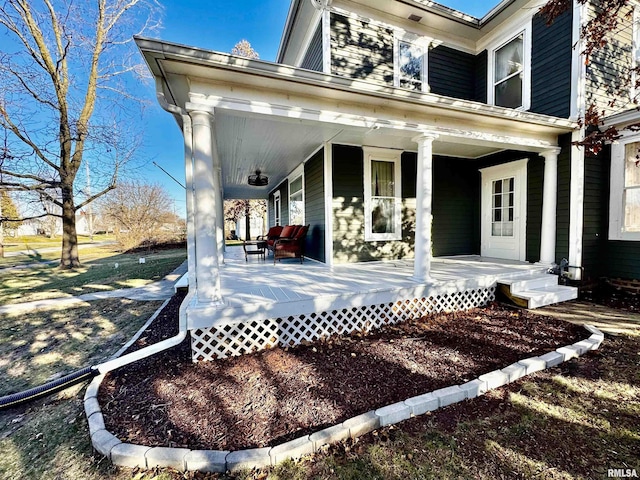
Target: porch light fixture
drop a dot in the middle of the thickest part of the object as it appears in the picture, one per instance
(258, 180)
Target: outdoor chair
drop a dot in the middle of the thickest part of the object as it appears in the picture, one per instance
(287, 232)
(272, 235)
(292, 247)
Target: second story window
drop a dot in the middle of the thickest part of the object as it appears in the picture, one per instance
(509, 70)
(509, 73)
(410, 62)
(410, 65)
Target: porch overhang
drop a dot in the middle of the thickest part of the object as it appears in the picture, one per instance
(270, 116)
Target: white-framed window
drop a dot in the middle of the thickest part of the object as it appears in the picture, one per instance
(410, 54)
(277, 207)
(296, 197)
(509, 70)
(624, 205)
(382, 194)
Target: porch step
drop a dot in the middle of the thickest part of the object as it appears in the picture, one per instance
(536, 291)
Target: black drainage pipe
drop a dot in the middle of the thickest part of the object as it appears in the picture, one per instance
(78, 376)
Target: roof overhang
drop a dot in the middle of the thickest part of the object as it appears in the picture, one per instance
(272, 116)
(450, 25)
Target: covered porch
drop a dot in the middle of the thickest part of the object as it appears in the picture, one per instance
(286, 304)
(318, 138)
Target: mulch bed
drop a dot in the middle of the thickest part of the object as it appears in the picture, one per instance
(605, 293)
(273, 396)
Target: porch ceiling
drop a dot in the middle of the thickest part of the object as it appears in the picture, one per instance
(276, 146)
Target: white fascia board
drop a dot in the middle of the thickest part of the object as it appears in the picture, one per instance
(288, 26)
(495, 11)
(622, 119)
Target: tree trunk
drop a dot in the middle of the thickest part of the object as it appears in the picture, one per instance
(247, 223)
(69, 257)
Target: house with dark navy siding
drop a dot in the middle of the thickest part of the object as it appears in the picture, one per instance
(430, 152)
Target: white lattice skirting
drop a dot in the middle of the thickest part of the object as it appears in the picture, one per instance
(242, 338)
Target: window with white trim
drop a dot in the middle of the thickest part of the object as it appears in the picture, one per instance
(382, 194)
(296, 200)
(410, 62)
(624, 209)
(277, 207)
(509, 71)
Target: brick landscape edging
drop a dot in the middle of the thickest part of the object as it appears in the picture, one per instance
(129, 455)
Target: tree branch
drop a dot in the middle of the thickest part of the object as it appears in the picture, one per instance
(28, 176)
(31, 92)
(7, 123)
(22, 219)
(97, 195)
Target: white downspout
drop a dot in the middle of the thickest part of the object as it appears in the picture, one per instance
(191, 248)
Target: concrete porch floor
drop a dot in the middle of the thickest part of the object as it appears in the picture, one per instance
(258, 289)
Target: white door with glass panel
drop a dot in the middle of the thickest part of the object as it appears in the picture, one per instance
(504, 207)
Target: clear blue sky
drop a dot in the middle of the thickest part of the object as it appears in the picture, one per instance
(219, 25)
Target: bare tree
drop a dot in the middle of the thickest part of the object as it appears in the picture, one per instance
(62, 100)
(138, 211)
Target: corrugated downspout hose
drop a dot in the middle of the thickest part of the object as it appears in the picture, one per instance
(88, 373)
(67, 381)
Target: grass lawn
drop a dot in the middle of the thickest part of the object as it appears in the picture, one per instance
(103, 269)
(49, 438)
(25, 242)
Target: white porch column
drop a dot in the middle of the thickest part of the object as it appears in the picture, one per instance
(549, 203)
(424, 190)
(206, 199)
(220, 204)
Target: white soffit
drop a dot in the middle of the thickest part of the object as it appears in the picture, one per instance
(274, 146)
(277, 146)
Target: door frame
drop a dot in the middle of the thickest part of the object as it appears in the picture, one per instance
(518, 170)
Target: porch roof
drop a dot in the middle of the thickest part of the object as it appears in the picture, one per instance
(259, 290)
(271, 117)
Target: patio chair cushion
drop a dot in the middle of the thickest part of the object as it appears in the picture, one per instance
(274, 232)
(289, 231)
(301, 232)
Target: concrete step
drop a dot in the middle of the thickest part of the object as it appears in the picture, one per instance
(549, 295)
(530, 282)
